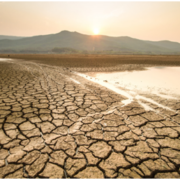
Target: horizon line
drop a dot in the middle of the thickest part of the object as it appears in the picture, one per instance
(90, 35)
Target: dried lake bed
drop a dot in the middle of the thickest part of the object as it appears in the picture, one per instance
(58, 123)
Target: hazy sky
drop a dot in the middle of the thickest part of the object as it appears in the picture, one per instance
(142, 20)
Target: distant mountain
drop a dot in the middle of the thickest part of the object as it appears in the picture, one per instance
(10, 37)
(91, 43)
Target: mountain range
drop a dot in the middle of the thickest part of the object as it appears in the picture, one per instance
(10, 37)
(76, 42)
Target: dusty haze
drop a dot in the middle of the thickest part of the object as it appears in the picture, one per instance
(143, 20)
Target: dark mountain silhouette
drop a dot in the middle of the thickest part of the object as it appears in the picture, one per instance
(79, 42)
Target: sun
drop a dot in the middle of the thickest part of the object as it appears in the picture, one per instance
(96, 31)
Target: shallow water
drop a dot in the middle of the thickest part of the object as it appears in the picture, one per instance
(159, 80)
(5, 59)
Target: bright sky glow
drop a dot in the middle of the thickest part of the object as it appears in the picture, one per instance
(138, 19)
(96, 31)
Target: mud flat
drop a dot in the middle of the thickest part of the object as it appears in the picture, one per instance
(99, 63)
(153, 80)
(59, 123)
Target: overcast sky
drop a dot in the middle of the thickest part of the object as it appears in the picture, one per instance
(143, 20)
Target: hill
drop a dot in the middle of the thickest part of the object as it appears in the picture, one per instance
(10, 37)
(77, 42)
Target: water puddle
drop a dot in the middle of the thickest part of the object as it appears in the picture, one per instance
(5, 59)
(163, 81)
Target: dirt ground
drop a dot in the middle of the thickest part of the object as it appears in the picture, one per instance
(99, 63)
(56, 124)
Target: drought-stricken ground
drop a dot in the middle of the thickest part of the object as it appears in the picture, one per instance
(54, 123)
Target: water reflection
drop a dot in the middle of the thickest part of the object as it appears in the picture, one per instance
(158, 79)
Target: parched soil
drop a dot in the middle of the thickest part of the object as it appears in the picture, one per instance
(99, 63)
(56, 124)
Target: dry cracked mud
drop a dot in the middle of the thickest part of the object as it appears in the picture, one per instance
(55, 124)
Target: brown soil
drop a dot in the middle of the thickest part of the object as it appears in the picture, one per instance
(96, 63)
(53, 127)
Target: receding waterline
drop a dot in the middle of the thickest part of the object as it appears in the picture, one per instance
(155, 79)
(109, 86)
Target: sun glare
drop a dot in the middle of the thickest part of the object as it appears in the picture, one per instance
(96, 31)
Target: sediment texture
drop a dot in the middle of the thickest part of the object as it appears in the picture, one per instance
(53, 127)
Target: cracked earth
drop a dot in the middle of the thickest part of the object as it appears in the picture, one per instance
(56, 124)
